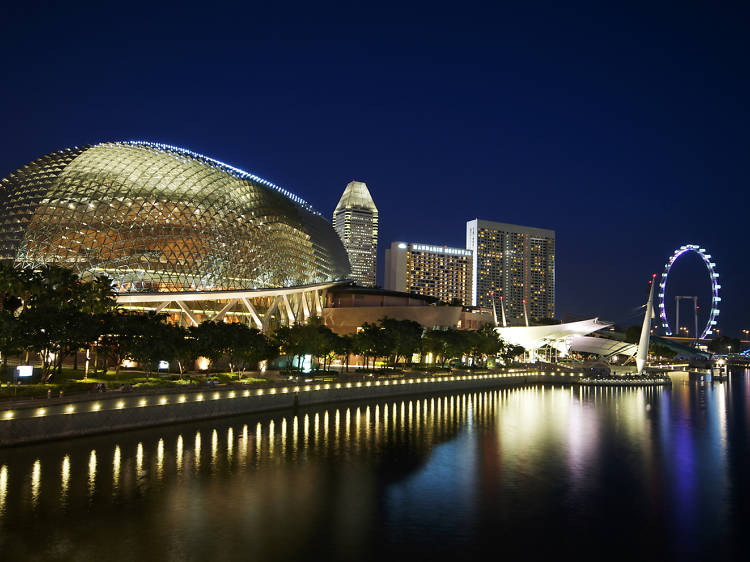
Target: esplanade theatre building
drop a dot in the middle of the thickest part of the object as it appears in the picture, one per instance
(177, 232)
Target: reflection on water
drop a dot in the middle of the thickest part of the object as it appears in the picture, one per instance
(92, 472)
(438, 474)
(3, 487)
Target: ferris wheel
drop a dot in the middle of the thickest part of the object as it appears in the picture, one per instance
(714, 277)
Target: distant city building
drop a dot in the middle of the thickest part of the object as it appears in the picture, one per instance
(436, 271)
(356, 221)
(516, 263)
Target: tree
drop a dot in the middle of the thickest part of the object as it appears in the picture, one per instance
(433, 342)
(245, 346)
(10, 335)
(344, 345)
(149, 340)
(325, 343)
(53, 320)
(402, 338)
(722, 344)
(11, 286)
(185, 348)
(288, 341)
(508, 352)
(633, 334)
(372, 342)
(212, 340)
(118, 337)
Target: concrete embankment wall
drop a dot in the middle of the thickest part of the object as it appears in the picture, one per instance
(59, 420)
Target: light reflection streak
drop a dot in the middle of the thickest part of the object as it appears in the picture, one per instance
(139, 461)
(295, 434)
(116, 469)
(356, 438)
(245, 445)
(346, 434)
(283, 436)
(336, 429)
(367, 424)
(197, 448)
(270, 438)
(160, 458)
(36, 475)
(230, 445)
(721, 413)
(376, 435)
(3, 487)
(178, 454)
(65, 478)
(92, 472)
(214, 447)
(357, 422)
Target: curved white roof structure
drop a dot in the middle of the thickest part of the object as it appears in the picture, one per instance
(557, 335)
(602, 346)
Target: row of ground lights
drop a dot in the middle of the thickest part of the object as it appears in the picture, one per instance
(163, 400)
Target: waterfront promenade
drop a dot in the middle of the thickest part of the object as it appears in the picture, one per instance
(44, 420)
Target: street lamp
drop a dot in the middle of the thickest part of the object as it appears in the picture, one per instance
(729, 351)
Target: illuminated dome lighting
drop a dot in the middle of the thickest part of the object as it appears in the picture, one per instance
(160, 218)
(713, 276)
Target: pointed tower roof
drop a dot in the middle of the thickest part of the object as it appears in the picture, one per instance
(357, 196)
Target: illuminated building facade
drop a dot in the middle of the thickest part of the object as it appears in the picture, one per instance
(516, 263)
(158, 219)
(436, 271)
(356, 222)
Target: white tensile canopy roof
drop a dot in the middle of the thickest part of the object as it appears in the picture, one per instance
(556, 335)
(602, 346)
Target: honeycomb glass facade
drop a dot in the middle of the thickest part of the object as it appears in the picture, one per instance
(157, 218)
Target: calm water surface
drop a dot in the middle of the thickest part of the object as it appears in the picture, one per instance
(528, 473)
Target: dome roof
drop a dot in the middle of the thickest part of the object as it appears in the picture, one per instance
(159, 218)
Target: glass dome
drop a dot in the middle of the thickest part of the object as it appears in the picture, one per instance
(160, 218)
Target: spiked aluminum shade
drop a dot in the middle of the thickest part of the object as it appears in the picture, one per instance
(159, 218)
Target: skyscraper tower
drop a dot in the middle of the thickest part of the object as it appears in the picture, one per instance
(515, 263)
(356, 221)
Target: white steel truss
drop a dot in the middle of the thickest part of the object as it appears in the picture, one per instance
(263, 309)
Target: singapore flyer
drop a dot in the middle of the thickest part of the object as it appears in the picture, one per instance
(714, 278)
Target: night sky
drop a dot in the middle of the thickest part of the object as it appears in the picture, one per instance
(623, 129)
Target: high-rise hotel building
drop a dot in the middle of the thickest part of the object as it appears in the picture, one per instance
(515, 262)
(436, 271)
(356, 221)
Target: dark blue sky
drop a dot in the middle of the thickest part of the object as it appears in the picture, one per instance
(624, 129)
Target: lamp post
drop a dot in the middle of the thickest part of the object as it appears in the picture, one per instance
(729, 351)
